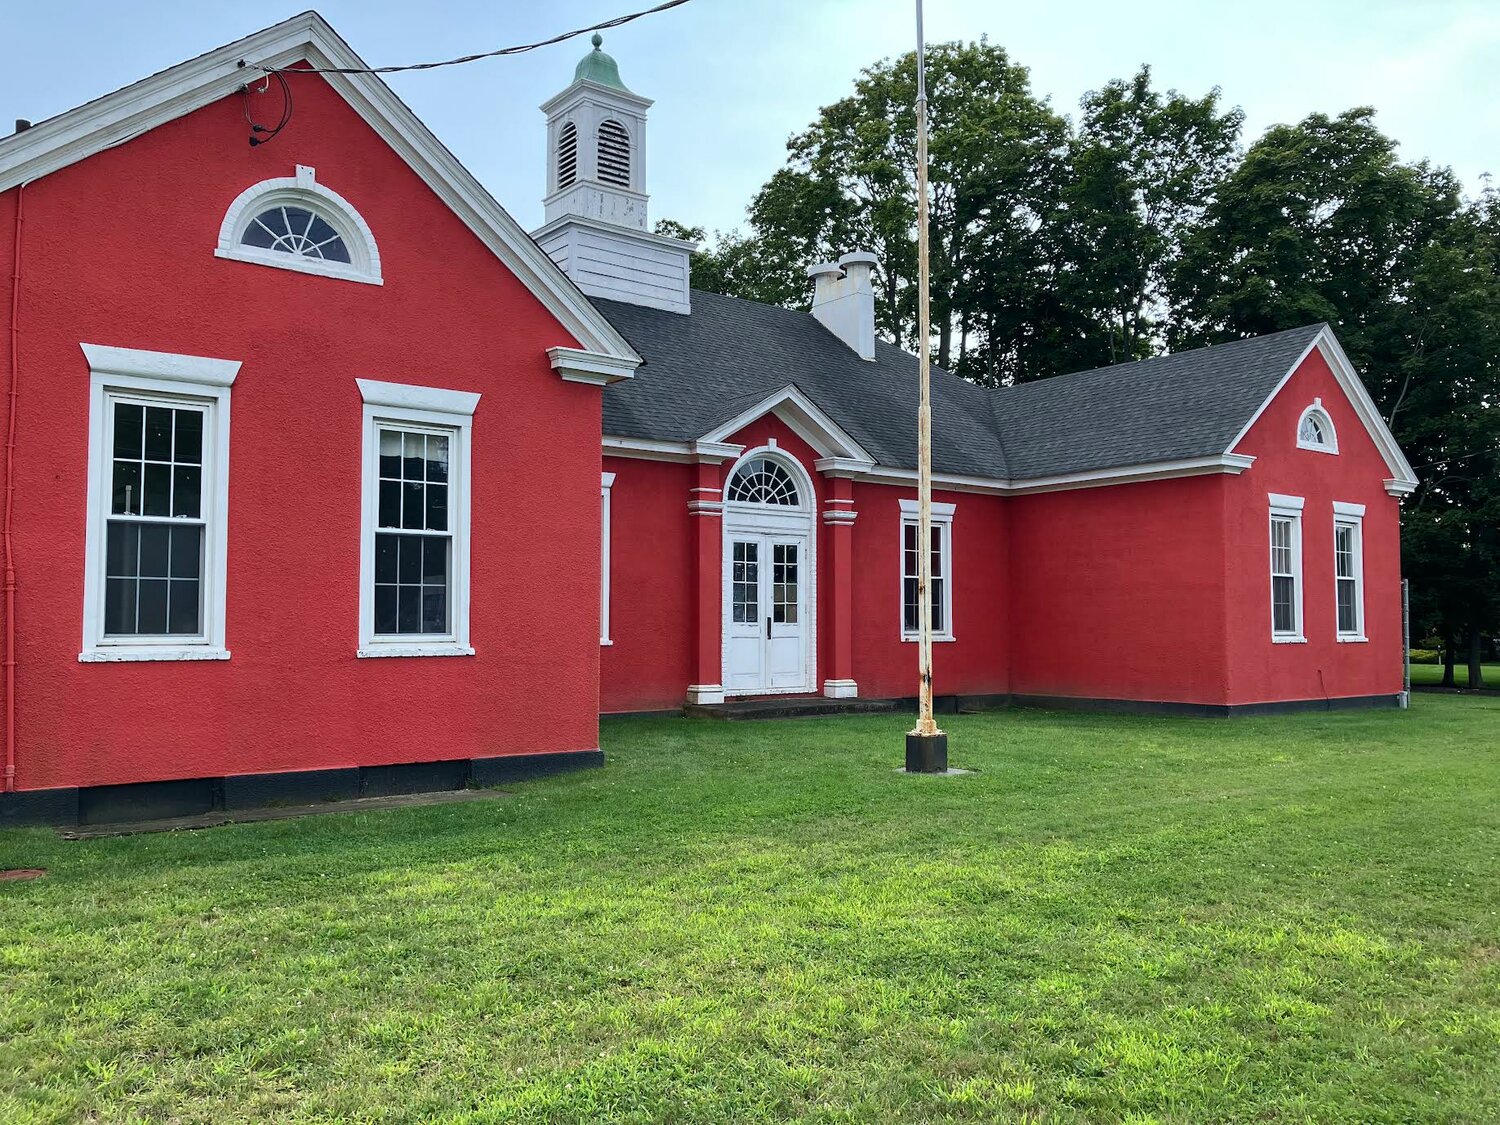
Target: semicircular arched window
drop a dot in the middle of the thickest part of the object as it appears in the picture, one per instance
(1315, 429)
(296, 223)
(762, 480)
(614, 154)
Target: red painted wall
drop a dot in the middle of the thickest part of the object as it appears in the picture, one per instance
(118, 250)
(1260, 671)
(1118, 592)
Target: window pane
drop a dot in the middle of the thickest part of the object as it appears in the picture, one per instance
(156, 497)
(437, 507)
(187, 484)
(182, 613)
(909, 619)
(385, 609)
(434, 560)
(122, 545)
(126, 488)
(390, 503)
(1347, 620)
(1282, 618)
(387, 547)
(937, 605)
(408, 559)
(411, 505)
(187, 553)
(189, 447)
(414, 455)
(409, 609)
(155, 541)
(298, 219)
(437, 458)
(257, 234)
(119, 606)
(129, 419)
(158, 433)
(151, 606)
(390, 454)
(434, 609)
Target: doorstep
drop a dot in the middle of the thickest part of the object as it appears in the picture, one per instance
(790, 707)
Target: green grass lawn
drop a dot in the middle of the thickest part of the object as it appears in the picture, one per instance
(1114, 919)
(1433, 674)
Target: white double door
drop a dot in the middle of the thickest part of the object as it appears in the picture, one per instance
(767, 586)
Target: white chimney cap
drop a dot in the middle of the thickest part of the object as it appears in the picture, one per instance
(823, 268)
(859, 257)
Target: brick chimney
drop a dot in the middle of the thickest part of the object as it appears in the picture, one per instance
(844, 300)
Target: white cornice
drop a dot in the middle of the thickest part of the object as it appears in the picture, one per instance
(1400, 487)
(409, 396)
(649, 449)
(807, 420)
(127, 113)
(581, 87)
(577, 366)
(105, 360)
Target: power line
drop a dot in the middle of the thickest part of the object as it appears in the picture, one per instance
(521, 49)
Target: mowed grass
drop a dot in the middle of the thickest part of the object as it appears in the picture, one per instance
(1433, 674)
(1113, 919)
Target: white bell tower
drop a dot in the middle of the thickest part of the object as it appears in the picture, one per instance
(597, 228)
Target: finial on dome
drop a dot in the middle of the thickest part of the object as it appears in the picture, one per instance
(597, 40)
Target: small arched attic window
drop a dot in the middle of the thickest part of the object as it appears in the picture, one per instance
(296, 223)
(567, 156)
(614, 154)
(1315, 429)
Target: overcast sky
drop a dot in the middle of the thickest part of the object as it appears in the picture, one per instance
(733, 78)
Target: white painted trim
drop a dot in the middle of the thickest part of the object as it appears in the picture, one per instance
(191, 380)
(406, 405)
(763, 519)
(705, 507)
(1230, 463)
(705, 693)
(606, 485)
(575, 365)
(840, 689)
(409, 397)
(833, 516)
(301, 190)
(1350, 516)
(689, 452)
(806, 419)
(1400, 488)
(195, 369)
(942, 519)
(1287, 508)
(1364, 407)
(122, 116)
(1317, 408)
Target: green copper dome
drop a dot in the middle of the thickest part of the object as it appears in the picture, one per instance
(598, 67)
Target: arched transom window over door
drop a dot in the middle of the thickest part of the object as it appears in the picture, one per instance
(762, 480)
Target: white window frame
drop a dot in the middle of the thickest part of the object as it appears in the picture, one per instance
(1287, 508)
(401, 404)
(301, 190)
(942, 520)
(606, 485)
(1332, 444)
(185, 380)
(1352, 516)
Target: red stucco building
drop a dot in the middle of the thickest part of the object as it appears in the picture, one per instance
(322, 472)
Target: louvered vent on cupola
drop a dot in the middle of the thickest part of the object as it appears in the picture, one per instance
(614, 154)
(567, 156)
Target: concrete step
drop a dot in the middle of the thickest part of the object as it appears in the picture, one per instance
(791, 707)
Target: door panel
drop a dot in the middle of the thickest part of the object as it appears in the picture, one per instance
(786, 664)
(745, 651)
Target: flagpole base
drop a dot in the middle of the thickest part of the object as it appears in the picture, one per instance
(926, 753)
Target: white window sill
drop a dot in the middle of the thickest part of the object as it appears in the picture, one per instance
(281, 260)
(1288, 640)
(605, 641)
(123, 653)
(935, 639)
(1352, 639)
(449, 649)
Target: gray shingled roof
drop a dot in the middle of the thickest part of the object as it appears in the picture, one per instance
(703, 369)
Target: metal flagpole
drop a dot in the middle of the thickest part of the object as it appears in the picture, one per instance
(926, 746)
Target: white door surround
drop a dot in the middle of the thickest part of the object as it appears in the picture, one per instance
(770, 616)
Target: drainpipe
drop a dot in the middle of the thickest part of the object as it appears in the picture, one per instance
(10, 496)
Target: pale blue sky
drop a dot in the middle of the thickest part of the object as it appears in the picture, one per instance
(733, 78)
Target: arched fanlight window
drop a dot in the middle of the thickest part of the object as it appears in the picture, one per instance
(1315, 429)
(614, 154)
(296, 223)
(567, 156)
(762, 480)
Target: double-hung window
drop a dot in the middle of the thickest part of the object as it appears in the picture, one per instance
(156, 541)
(941, 547)
(1349, 570)
(414, 562)
(1286, 568)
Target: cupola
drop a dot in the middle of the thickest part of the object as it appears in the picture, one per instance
(597, 226)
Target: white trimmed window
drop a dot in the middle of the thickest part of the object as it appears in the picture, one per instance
(1315, 429)
(606, 484)
(941, 546)
(1349, 570)
(414, 530)
(295, 223)
(158, 498)
(1286, 569)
